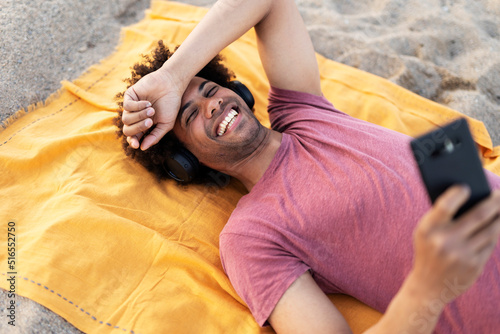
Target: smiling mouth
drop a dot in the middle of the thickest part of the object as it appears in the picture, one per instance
(227, 122)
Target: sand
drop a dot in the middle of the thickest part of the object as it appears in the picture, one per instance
(447, 51)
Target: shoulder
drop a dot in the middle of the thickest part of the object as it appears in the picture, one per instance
(287, 107)
(280, 95)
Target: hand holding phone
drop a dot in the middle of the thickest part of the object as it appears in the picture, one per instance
(450, 246)
(448, 156)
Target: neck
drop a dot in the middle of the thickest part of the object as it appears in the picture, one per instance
(250, 170)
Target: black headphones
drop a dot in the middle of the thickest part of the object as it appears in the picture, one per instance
(182, 165)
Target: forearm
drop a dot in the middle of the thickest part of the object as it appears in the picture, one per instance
(413, 310)
(226, 21)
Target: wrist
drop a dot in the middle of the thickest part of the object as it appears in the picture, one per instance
(429, 297)
(175, 75)
(173, 79)
(414, 309)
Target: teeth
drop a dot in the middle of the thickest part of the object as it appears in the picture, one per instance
(227, 122)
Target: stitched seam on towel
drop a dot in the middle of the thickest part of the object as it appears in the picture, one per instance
(40, 285)
(39, 119)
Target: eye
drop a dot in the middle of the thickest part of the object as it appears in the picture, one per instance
(212, 91)
(191, 116)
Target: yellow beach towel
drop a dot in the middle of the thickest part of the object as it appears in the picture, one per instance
(99, 241)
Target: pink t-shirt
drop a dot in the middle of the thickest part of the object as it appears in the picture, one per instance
(341, 198)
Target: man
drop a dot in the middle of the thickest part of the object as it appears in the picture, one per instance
(332, 200)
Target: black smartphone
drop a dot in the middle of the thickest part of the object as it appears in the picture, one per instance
(448, 156)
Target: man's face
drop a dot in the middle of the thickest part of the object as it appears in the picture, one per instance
(216, 125)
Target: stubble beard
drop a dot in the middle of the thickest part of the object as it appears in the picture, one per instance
(238, 150)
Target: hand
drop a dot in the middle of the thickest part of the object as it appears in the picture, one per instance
(154, 100)
(451, 251)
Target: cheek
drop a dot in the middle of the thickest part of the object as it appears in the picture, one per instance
(184, 136)
(177, 129)
(195, 139)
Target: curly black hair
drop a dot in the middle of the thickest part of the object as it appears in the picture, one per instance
(153, 158)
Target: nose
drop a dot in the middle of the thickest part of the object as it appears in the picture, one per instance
(212, 105)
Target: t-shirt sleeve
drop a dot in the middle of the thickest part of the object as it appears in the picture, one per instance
(493, 179)
(260, 271)
(287, 107)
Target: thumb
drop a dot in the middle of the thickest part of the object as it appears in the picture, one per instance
(155, 135)
(447, 205)
(167, 109)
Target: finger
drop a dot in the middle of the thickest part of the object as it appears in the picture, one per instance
(131, 101)
(484, 253)
(134, 129)
(134, 141)
(134, 106)
(139, 136)
(155, 135)
(487, 236)
(480, 216)
(447, 205)
(129, 118)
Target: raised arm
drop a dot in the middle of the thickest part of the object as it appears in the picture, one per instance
(285, 48)
(284, 45)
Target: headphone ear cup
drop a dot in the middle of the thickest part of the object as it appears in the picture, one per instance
(243, 92)
(181, 165)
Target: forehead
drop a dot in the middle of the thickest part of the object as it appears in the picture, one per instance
(192, 88)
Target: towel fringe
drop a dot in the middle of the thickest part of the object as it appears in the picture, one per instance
(29, 109)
